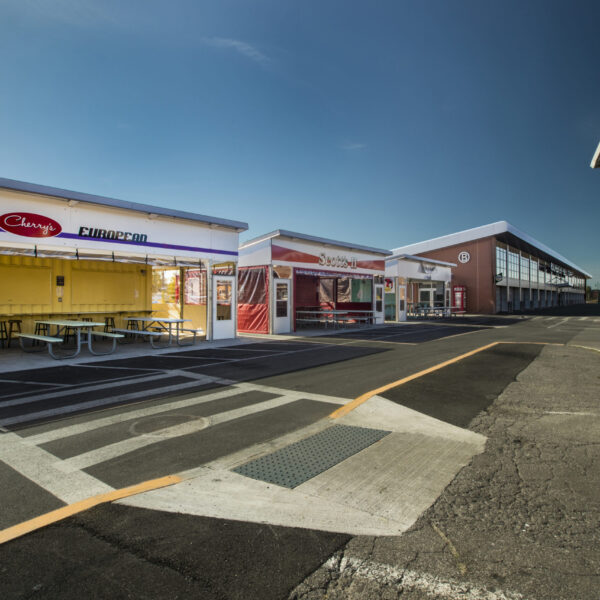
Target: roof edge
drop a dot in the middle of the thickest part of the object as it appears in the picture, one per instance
(293, 235)
(481, 232)
(442, 263)
(43, 190)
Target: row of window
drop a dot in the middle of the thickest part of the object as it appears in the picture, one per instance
(536, 271)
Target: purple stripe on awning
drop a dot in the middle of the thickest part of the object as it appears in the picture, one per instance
(74, 236)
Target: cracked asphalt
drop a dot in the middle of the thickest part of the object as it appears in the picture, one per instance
(521, 521)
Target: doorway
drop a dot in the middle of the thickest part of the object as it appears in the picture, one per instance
(223, 309)
(166, 293)
(282, 322)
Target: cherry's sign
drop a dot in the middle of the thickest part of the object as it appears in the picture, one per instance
(29, 225)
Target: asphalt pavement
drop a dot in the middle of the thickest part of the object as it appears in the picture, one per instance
(513, 517)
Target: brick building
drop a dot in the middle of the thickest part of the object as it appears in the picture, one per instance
(504, 269)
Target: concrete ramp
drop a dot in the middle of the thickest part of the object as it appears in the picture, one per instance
(380, 490)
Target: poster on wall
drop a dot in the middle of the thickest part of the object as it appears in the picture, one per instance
(389, 285)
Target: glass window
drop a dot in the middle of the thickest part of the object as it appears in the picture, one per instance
(390, 306)
(513, 265)
(344, 291)
(224, 293)
(378, 298)
(524, 269)
(194, 290)
(534, 271)
(500, 261)
(252, 286)
(165, 286)
(362, 290)
(281, 303)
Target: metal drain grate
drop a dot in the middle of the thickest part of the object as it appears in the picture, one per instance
(301, 461)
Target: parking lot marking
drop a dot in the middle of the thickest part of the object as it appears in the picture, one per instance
(344, 410)
(105, 453)
(130, 415)
(461, 565)
(69, 430)
(558, 323)
(72, 391)
(54, 516)
(39, 466)
(108, 401)
(432, 586)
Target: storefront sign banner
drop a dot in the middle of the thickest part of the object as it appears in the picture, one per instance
(110, 234)
(30, 225)
(337, 261)
(334, 274)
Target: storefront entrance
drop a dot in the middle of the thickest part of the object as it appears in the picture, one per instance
(223, 308)
(402, 302)
(166, 297)
(282, 322)
(172, 300)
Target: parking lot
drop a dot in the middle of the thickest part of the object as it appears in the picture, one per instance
(459, 393)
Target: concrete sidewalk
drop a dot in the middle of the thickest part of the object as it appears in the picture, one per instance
(381, 490)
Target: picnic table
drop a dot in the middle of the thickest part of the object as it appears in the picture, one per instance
(154, 327)
(79, 328)
(335, 317)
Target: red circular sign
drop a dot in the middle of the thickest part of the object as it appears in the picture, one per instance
(29, 225)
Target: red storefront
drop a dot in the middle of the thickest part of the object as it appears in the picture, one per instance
(288, 280)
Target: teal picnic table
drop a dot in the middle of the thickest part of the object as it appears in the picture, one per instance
(83, 331)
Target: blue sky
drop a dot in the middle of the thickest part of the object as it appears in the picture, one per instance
(381, 123)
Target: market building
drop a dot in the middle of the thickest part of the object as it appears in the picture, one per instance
(69, 254)
(416, 286)
(289, 280)
(501, 269)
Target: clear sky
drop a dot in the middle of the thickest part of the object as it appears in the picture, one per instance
(376, 122)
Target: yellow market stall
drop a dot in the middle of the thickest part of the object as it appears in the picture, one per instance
(73, 255)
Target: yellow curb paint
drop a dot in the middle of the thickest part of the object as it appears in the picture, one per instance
(344, 410)
(67, 511)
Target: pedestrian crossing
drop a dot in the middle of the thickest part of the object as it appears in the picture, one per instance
(36, 455)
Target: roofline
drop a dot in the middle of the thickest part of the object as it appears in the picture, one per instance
(44, 190)
(595, 164)
(293, 235)
(421, 259)
(484, 231)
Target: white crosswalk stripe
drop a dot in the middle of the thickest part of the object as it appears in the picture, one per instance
(83, 461)
(65, 478)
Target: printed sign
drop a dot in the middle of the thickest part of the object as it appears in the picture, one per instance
(388, 283)
(337, 261)
(30, 225)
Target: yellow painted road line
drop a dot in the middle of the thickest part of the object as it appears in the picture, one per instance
(584, 347)
(67, 511)
(344, 410)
